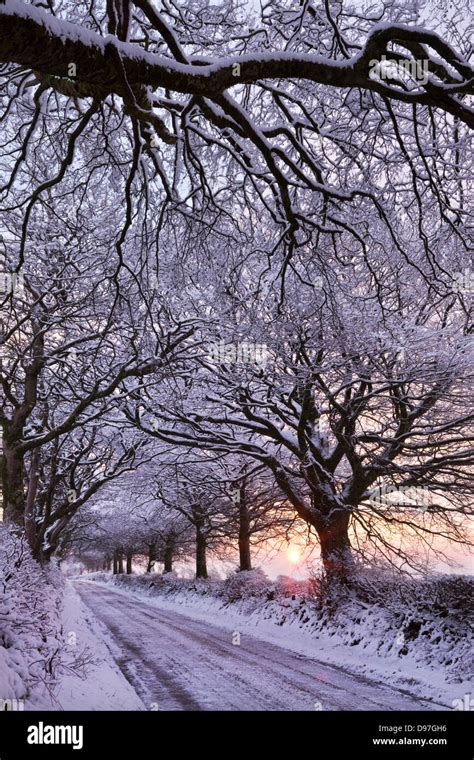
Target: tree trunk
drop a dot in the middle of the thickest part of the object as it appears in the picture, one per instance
(129, 563)
(48, 534)
(118, 562)
(115, 563)
(31, 528)
(201, 546)
(168, 558)
(151, 557)
(245, 560)
(13, 486)
(336, 551)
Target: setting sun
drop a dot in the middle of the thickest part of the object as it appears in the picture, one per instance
(293, 554)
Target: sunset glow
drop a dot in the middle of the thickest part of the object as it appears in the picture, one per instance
(294, 554)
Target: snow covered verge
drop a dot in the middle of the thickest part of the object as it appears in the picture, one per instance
(103, 686)
(410, 633)
(52, 654)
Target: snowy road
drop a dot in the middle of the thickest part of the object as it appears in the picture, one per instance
(177, 663)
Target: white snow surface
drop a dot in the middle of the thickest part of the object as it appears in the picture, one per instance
(178, 661)
(53, 653)
(153, 642)
(286, 624)
(103, 686)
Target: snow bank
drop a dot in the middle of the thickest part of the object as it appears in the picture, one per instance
(412, 632)
(52, 652)
(102, 685)
(31, 642)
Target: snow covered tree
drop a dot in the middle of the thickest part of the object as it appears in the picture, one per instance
(70, 339)
(255, 513)
(291, 180)
(356, 401)
(190, 492)
(309, 118)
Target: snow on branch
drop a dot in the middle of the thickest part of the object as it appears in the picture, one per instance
(33, 38)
